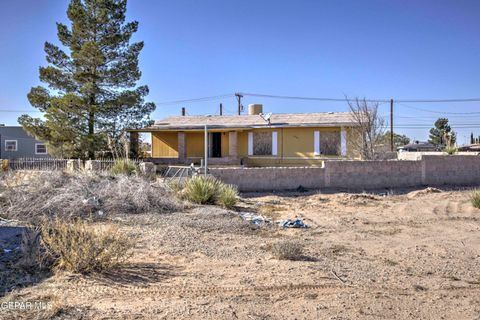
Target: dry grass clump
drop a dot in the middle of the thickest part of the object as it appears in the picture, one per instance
(3, 165)
(227, 196)
(287, 250)
(83, 247)
(86, 195)
(475, 198)
(124, 167)
(208, 190)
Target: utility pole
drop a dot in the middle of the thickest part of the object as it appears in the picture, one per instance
(391, 125)
(221, 109)
(239, 99)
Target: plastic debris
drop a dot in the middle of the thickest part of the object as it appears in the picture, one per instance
(92, 201)
(261, 220)
(292, 223)
(254, 218)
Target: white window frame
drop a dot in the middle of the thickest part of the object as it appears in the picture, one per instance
(250, 143)
(40, 143)
(16, 145)
(316, 143)
(343, 142)
(274, 143)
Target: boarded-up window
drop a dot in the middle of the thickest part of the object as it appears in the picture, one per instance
(330, 143)
(262, 143)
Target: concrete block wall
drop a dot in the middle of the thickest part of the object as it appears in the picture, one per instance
(454, 170)
(373, 174)
(271, 178)
(358, 175)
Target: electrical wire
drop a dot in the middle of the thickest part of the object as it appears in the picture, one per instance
(435, 111)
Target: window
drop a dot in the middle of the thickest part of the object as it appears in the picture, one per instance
(330, 143)
(40, 148)
(10, 145)
(262, 143)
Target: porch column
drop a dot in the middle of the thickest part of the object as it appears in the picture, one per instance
(134, 142)
(182, 146)
(343, 142)
(232, 144)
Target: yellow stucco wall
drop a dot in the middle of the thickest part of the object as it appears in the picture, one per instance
(293, 143)
(164, 144)
(225, 144)
(195, 144)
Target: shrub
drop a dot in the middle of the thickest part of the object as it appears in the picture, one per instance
(450, 150)
(124, 166)
(208, 190)
(475, 198)
(201, 190)
(3, 165)
(287, 250)
(79, 246)
(227, 196)
(84, 195)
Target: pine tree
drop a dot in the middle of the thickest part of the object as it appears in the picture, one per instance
(91, 94)
(439, 133)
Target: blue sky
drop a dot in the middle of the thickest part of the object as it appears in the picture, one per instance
(374, 49)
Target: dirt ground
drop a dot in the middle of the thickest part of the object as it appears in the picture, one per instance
(414, 256)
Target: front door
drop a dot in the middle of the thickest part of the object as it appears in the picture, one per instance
(216, 144)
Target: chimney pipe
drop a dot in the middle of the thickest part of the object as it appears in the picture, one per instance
(255, 109)
(183, 111)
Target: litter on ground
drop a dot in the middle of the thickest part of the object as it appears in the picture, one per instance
(261, 220)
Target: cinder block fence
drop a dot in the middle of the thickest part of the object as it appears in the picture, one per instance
(358, 175)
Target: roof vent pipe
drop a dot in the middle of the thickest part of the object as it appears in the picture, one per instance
(255, 109)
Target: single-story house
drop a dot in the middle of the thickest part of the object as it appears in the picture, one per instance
(254, 139)
(15, 143)
(418, 146)
(470, 147)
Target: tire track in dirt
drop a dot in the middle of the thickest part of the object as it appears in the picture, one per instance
(197, 291)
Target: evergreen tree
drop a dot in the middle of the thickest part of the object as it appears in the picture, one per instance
(398, 139)
(472, 139)
(442, 133)
(91, 94)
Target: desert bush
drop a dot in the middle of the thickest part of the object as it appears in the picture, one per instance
(450, 150)
(287, 250)
(86, 195)
(83, 247)
(227, 196)
(475, 198)
(3, 165)
(208, 190)
(124, 167)
(201, 190)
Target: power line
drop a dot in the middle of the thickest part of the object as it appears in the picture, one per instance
(367, 100)
(434, 111)
(193, 100)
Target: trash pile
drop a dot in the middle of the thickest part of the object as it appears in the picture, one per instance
(260, 220)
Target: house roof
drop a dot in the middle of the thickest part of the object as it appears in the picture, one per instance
(324, 119)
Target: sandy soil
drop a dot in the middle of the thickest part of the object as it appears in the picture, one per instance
(404, 256)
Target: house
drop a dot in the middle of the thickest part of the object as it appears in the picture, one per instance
(16, 143)
(254, 139)
(470, 148)
(417, 146)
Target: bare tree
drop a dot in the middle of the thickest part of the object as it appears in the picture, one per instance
(368, 130)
